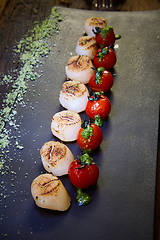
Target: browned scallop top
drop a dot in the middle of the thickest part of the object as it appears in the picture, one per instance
(67, 118)
(53, 151)
(46, 184)
(72, 88)
(97, 21)
(79, 63)
(87, 42)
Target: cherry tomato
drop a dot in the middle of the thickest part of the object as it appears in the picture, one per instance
(83, 173)
(105, 57)
(89, 136)
(105, 37)
(98, 105)
(101, 80)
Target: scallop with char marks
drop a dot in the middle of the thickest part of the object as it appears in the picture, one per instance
(49, 192)
(74, 96)
(56, 158)
(87, 45)
(65, 125)
(91, 23)
(79, 68)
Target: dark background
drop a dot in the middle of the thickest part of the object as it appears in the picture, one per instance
(18, 16)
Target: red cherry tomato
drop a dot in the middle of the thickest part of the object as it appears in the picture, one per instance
(83, 175)
(101, 80)
(105, 57)
(100, 106)
(89, 137)
(105, 37)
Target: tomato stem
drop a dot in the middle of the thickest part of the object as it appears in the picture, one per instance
(98, 74)
(95, 96)
(87, 131)
(98, 121)
(84, 160)
(82, 198)
(100, 69)
(104, 31)
(104, 51)
(117, 36)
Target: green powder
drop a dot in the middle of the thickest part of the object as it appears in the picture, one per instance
(30, 50)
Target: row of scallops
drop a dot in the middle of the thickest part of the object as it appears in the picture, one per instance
(47, 189)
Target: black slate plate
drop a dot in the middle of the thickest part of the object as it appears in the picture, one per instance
(124, 198)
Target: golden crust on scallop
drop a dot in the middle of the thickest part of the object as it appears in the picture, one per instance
(46, 185)
(67, 118)
(65, 125)
(73, 88)
(97, 21)
(49, 192)
(88, 42)
(53, 151)
(56, 157)
(79, 63)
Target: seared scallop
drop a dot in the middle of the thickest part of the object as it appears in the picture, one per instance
(48, 192)
(74, 96)
(86, 45)
(79, 68)
(65, 125)
(93, 22)
(56, 158)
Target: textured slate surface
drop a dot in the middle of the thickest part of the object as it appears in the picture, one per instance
(123, 201)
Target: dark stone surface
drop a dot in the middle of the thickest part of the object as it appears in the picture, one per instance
(124, 198)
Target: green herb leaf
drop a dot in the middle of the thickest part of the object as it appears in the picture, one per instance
(98, 77)
(117, 36)
(104, 32)
(86, 159)
(82, 198)
(98, 121)
(87, 132)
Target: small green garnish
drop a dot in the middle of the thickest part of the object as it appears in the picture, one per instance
(19, 146)
(104, 51)
(117, 36)
(87, 132)
(98, 121)
(87, 150)
(95, 96)
(2, 164)
(100, 69)
(82, 198)
(83, 42)
(104, 32)
(86, 159)
(98, 75)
